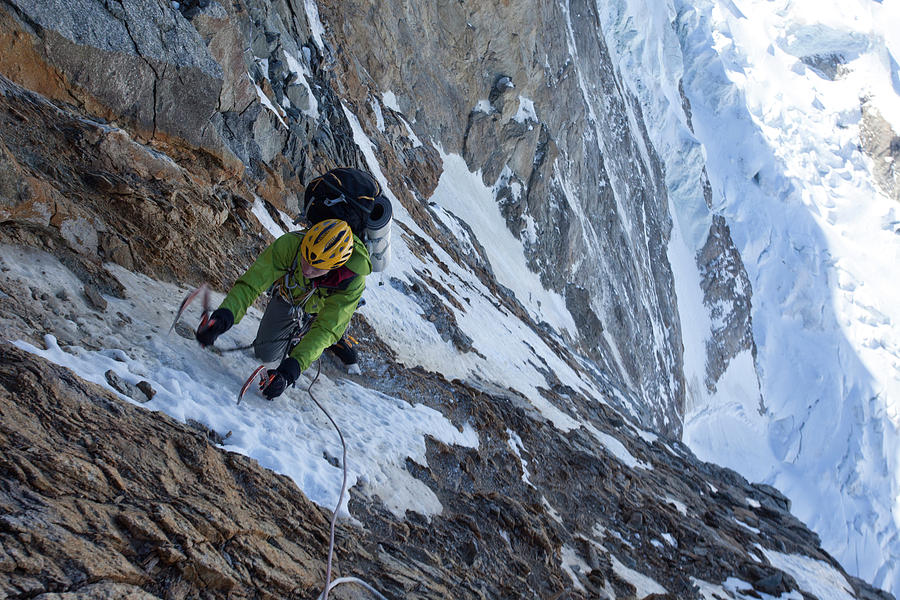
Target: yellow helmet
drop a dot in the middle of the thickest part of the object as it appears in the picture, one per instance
(327, 245)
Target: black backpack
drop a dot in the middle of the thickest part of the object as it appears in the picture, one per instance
(346, 194)
(353, 196)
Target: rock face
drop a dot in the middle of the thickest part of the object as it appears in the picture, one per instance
(485, 82)
(726, 291)
(131, 60)
(496, 83)
(152, 135)
(103, 499)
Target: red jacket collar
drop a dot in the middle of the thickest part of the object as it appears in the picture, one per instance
(335, 278)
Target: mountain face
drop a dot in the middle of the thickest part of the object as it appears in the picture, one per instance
(161, 139)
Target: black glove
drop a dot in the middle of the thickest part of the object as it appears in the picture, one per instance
(279, 379)
(219, 322)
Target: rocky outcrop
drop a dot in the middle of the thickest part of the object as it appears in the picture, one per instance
(727, 293)
(104, 195)
(104, 499)
(882, 144)
(130, 61)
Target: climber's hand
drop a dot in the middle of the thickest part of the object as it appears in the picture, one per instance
(218, 323)
(279, 379)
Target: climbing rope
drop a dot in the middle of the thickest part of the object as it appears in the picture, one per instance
(329, 585)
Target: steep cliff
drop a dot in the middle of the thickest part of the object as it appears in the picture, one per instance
(163, 140)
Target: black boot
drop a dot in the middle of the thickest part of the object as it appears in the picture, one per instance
(345, 350)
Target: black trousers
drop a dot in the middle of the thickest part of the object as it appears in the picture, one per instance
(280, 323)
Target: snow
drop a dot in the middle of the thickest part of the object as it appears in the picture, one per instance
(779, 142)
(616, 448)
(515, 443)
(260, 212)
(825, 317)
(572, 564)
(694, 317)
(288, 435)
(416, 142)
(390, 100)
(644, 586)
(729, 432)
(679, 506)
(734, 588)
(747, 527)
(315, 24)
(379, 114)
(462, 193)
(484, 106)
(266, 102)
(525, 111)
(815, 577)
(303, 74)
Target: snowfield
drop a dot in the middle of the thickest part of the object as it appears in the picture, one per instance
(776, 91)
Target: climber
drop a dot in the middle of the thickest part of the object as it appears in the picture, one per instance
(316, 278)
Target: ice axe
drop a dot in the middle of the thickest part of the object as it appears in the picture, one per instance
(202, 290)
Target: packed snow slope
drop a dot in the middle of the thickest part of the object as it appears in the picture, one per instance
(783, 100)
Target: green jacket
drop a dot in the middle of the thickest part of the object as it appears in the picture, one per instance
(333, 306)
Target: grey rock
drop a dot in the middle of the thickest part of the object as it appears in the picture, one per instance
(772, 585)
(636, 521)
(95, 299)
(827, 66)
(123, 58)
(212, 435)
(122, 386)
(184, 330)
(147, 389)
(727, 293)
(298, 95)
(772, 496)
(882, 144)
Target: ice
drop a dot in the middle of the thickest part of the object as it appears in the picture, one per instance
(267, 103)
(315, 24)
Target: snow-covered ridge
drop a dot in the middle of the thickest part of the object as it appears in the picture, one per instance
(780, 146)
